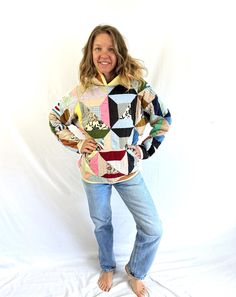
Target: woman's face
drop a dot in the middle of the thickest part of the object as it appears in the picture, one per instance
(104, 56)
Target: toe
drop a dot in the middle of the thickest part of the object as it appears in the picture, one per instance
(101, 285)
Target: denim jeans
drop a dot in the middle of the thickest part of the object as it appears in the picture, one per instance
(149, 230)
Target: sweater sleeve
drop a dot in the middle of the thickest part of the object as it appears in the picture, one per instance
(159, 118)
(61, 117)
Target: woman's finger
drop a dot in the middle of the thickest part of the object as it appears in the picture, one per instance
(88, 146)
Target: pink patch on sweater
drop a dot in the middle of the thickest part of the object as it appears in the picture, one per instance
(105, 112)
(94, 164)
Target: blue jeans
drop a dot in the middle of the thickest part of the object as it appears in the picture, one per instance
(149, 230)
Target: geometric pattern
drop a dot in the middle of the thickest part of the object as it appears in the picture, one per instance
(122, 106)
(114, 117)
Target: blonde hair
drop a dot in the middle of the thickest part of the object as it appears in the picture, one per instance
(127, 67)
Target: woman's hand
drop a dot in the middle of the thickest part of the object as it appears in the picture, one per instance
(137, 151)
(88, 146)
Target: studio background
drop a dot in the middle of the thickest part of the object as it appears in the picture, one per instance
(47, 246)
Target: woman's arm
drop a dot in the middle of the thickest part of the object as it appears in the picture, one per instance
(61, 117)
(159, 118)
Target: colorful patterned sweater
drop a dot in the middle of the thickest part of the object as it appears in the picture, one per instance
(115, 117)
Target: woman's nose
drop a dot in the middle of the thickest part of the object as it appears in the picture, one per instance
(104, 52)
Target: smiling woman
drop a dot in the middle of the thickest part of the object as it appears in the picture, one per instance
(111, 107)
(108, 38)
(104, 56)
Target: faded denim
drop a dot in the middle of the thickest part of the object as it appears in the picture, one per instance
(149, 229)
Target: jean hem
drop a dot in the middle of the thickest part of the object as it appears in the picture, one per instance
(108, 269)
(132, 275)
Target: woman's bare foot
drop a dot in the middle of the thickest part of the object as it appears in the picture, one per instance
(105, 280)
(137, 285)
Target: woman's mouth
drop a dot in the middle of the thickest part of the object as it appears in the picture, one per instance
(104, 62)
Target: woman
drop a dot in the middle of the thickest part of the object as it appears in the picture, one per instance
(111, 107)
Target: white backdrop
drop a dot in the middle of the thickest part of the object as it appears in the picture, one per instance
(47, 247)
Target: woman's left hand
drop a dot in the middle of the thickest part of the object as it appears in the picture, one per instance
(137, 151)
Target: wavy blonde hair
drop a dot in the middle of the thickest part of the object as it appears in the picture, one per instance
(127, 67)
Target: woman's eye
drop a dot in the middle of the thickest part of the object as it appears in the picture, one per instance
(97, 49)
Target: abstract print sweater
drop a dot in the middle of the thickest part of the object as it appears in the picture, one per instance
(115, 117)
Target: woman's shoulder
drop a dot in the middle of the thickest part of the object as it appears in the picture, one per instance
(139, 85)
(80, 90)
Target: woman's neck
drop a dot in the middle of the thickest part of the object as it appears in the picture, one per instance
(109, 77)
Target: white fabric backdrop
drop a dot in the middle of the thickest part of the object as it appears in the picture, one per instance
(47, 247)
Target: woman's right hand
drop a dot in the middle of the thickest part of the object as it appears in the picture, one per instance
(88, 146)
